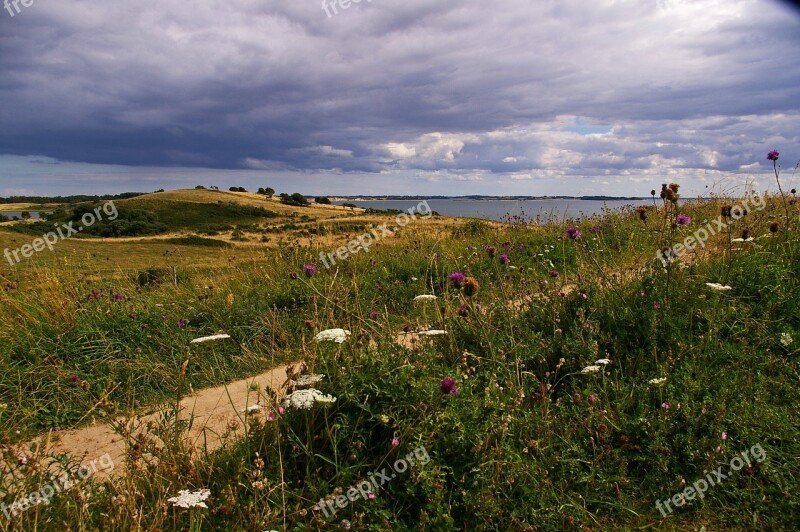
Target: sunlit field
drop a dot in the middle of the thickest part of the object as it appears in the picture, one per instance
(571, 376)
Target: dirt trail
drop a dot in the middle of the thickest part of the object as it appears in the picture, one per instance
(215, 411)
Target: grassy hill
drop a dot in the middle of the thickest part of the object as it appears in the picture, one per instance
(593, 381)
(205, 212)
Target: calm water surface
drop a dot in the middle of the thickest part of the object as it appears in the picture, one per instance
(18, 214)
(500, 210)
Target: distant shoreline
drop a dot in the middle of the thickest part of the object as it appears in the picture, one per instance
(486, 198)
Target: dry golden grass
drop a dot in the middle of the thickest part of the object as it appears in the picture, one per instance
(244, 198)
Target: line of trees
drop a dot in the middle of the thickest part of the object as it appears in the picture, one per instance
(296, 199)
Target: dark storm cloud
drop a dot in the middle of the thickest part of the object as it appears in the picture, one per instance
(449, 89)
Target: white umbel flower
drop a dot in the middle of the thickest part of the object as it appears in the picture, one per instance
(307, 380)
(433, 332)
(332, 335)
(213, 338)
(590, 369)
(603, 361)
(305, 399)
(190, 499)
(425, 297)
(659, 380)
(719, 287)
(786, 339)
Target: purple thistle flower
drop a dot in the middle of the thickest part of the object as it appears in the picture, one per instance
(682, 219)
(448, 386)
(183, 322)
(554, 273)
(773, 155)
(457, 278)
(573, 233)
(309, 270)
(503, 259)
(374, 314)
(491, 250)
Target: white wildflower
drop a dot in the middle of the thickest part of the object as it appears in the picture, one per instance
(786, 339)
(425, 297)
(306, 380)
(334, 335)
(603, 361)
(720, 287)
(250, 409)
(190, 499)
(210, 338)
(590, 369)
(658, 380)
(433, 332)
(305, 399)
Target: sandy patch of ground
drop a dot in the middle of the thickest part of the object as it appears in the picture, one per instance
(215, 411)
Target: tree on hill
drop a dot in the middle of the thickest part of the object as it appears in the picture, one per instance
(237, 189)
(269, 191)
(199, 187)
(323, 200)
(296, 199)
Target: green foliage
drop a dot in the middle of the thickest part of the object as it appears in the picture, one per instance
(296, 200)
(194, 240)
(531, 441)
(151, 217)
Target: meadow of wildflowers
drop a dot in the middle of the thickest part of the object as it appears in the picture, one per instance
(568, 380)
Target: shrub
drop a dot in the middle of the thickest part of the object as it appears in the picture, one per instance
(296, 199)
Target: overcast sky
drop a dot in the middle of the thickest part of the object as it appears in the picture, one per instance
(397, 96)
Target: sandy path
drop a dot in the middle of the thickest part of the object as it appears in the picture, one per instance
(215, 411)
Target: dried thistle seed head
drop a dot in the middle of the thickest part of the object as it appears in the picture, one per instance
(471, 286)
